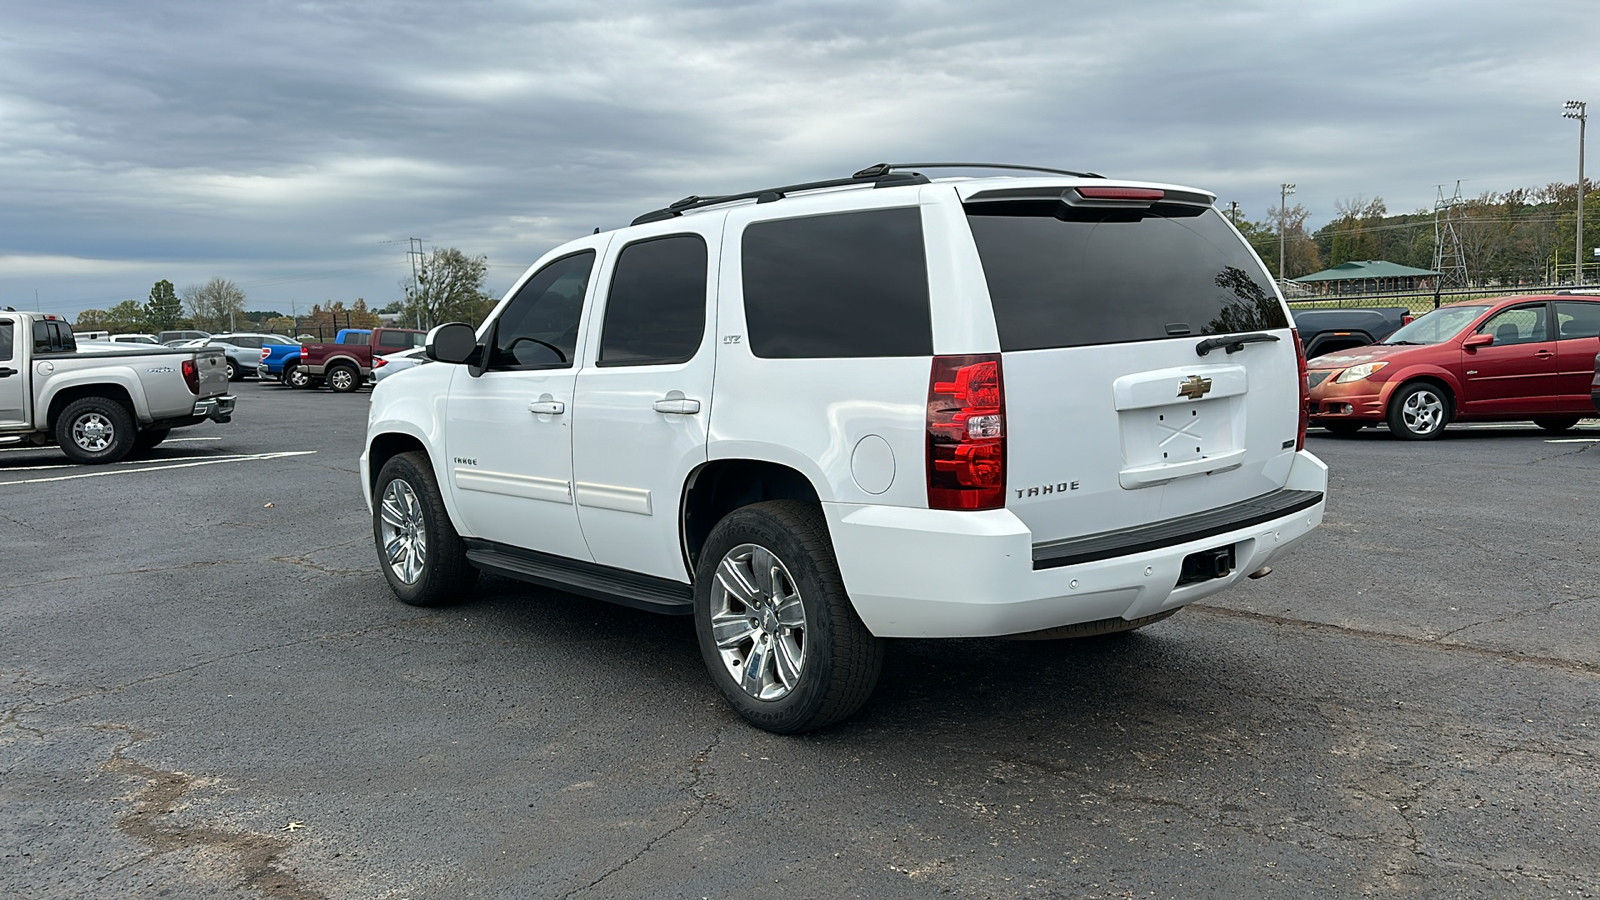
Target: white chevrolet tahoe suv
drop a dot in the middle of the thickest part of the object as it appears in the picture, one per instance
(822, 415)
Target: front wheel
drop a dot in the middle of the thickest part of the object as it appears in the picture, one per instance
(95, 430)
(1557, 424)
(1419, 412)
(776, 629)
(423, 558)
(294, 375)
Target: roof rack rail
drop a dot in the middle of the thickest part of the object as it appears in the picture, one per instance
(880, 175)
(882, 168)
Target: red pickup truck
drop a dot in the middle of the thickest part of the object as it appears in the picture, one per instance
(346, 364)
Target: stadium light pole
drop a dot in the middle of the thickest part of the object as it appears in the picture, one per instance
(1284, 190)
(1578, 109)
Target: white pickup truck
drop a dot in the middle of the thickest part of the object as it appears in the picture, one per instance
(100, 406)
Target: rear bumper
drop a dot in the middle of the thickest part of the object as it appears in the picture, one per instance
(217, 409)
(938, 573)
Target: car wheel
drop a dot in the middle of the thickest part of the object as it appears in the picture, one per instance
(95, 430)
(147, 440)
(344, 379)
(1343, 429)
(1556, 424)
(1419, 411)
(776, 629)
(295, 376)
(233, 371)
(423, 558)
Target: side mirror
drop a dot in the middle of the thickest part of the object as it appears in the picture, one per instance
(451, 343)
(1477, 340)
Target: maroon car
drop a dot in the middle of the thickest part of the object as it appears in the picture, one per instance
(1505, 359)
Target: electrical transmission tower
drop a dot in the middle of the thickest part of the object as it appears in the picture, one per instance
(1448, 259)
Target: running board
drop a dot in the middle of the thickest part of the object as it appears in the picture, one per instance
(613, 585)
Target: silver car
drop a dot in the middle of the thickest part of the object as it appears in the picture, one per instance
(244, 350)
(390, 363)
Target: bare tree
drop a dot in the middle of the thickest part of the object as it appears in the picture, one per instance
(215, 305)
(449, 288)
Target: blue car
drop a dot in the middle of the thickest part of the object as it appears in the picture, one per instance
(281, 362)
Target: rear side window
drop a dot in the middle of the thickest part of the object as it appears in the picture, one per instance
(53, 337)
(1064, 277)
(1578, 319)
(656, 311)
(400, 340)
(539, 328)
(7, 332)
(845, 285)
(355, 338)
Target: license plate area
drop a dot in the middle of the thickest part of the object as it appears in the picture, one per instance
(1207, 565)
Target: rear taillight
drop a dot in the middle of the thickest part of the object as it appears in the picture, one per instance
(379, 363)
(1125, 194)
(1305, 390)
(966, 433)
(265, 352)
(191, 375)
(1407, 319)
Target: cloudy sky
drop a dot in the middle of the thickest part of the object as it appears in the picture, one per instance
(287, 145)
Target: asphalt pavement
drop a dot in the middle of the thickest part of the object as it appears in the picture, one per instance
(209, 691)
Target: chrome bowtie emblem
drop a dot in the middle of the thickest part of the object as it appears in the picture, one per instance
(1194, 388)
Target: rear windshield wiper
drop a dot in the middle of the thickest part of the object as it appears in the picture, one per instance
(1232, 343)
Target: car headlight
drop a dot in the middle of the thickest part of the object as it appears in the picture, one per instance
(1356, 373)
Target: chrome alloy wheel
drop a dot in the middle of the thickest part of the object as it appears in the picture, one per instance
(341, 379)
(758, 622)
(404, 531)
(93, 432)
(1423, 412)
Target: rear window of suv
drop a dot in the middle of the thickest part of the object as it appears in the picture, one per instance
(1072, 277)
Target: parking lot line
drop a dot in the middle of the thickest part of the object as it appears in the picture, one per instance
(126, 462)
(160, 468)
(48, 446)
(1573, 441)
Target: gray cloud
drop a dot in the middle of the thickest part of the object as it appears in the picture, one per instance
(279, 144)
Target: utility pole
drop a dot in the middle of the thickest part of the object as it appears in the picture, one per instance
(1578, 109)
(1284, 190)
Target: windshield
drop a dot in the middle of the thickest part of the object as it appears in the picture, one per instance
(1439, 325)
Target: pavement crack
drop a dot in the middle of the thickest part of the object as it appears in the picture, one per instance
(701, 800)
(1433, 643)
(143, 570)
(1584, 448)
(1554, 604)
(252, 859)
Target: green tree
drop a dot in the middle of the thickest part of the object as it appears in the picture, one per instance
(125, 317)
(91, 320)
(448, 288)
(163, 309)
(215, 305)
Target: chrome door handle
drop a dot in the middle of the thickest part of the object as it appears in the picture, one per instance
(674, 404)
(547, 407)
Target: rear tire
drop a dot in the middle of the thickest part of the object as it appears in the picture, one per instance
(1556, 424)
(422, 557)
(344, 379)
(295, 376)
(95, 431)
(1419, 411)
(777, 631)
(233, 371)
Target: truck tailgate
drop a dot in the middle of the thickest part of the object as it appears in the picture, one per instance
(212, 365)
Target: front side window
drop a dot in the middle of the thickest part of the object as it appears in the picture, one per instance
(842, 285)
(656, 311)
(539, 328)
(1517, 325)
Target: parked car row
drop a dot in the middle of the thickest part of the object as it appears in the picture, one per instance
(355, 357)
(1509, 359)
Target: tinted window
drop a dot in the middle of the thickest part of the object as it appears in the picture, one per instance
(52, 337)
(1577, 319)
(356, 338)
(7, 337)
(1063, 277)
(656, 311)
(539, 328)
(1517, 325)
(851, 284)
(248, 343)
